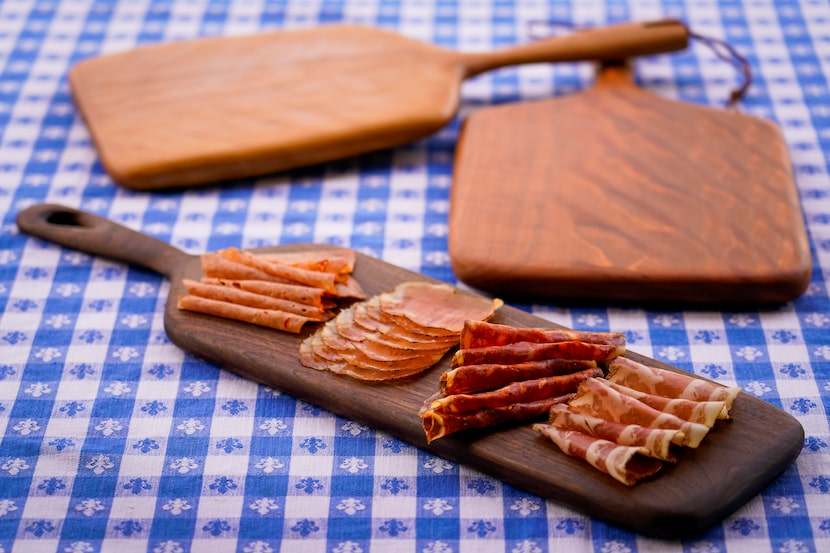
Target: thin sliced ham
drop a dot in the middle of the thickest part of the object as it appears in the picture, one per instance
(626, 464)
(477, 334)
(662, 382)
(656, 441)
(594, 397)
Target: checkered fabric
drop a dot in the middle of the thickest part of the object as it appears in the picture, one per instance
(113, 439)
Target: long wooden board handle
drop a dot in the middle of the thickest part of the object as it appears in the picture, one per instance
(90, 233)
(614, 42)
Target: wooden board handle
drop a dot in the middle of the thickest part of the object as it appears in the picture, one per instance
(614, 42)
(93, 234)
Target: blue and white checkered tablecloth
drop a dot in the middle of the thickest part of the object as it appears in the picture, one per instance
(113, 439)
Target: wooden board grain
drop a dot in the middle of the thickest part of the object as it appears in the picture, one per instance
(618, 194)
(734, 463)
(190, 112)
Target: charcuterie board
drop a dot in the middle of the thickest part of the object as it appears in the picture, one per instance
(616, 193)
(734, 463)
(189, 112)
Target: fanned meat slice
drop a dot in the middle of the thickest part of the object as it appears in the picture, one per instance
(348, 287)
(311, 359)
(479, 378)
(518, 392)
(330, 261)
(667, 383)
(656, 441)
(437, 425)
(521, 352)
(290, 292)
(477, 334)
(347, 328)
(439, 306)
(390, 329)
(359, 359)
(250, 299)
(218, 266)
(703, 412)
(626, 464)
(594, 397)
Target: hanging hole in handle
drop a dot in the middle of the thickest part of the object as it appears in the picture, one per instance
(64, 219)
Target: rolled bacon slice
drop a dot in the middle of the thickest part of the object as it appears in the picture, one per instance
(479, 378)
(662, 382)
(626, 464)
(656, 441)
(437, 425)
(703, 412)
(519, 392)
(594, 397)
(477, 334)
(521, 352)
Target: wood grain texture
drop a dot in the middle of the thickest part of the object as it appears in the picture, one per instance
(615, 193)
(191, 112)
(734, 463)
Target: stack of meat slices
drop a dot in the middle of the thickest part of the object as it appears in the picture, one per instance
(277, 290)
(627, 425)
(396, 334)
(502, 373)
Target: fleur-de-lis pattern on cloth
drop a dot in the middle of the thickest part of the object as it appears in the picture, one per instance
(112, 438)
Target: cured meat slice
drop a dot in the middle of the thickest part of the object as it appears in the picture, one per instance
(250, 299)
(331, 261)
(438, 306)
(656, 441)
(290, 292)
(317, 279)
(662, 382)
(703, 412)
(594, 397)
(478, 378)
(519, 392)
(521, 352)
(369, 315)
(626, 464)
(279, 320)
(477, 334)
(349, 287)
(437, 425)
(218, 266)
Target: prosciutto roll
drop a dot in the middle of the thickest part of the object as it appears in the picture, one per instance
(479, 378)
(596, 398)
(662, 382)
(703, 412)
(626, 464)
(477, 334)
(521, 352)
(656, 441)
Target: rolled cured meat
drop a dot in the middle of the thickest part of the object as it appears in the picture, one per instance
(518, 392)
(521, 352)
(594, 397)
(437, 425)
(479, 378)
(477, 334)
(656, 441)
(626, 464)
(703, 412)
(662, 382)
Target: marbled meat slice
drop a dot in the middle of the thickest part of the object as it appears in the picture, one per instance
(438, 306)
(703, 412)
(477, 334)
(657, 441)
(479, 378)
(437, 425)
(521, 352)
(662, 382)
(594, 397)
(626, 464)
(525, 391)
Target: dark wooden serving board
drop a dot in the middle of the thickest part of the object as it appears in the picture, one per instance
(734, 463)
(615, 193)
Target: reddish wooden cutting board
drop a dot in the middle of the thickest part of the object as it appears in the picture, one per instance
(734, 463)
(191, 112)
(617, 194)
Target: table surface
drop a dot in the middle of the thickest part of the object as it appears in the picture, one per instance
(114, 439)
